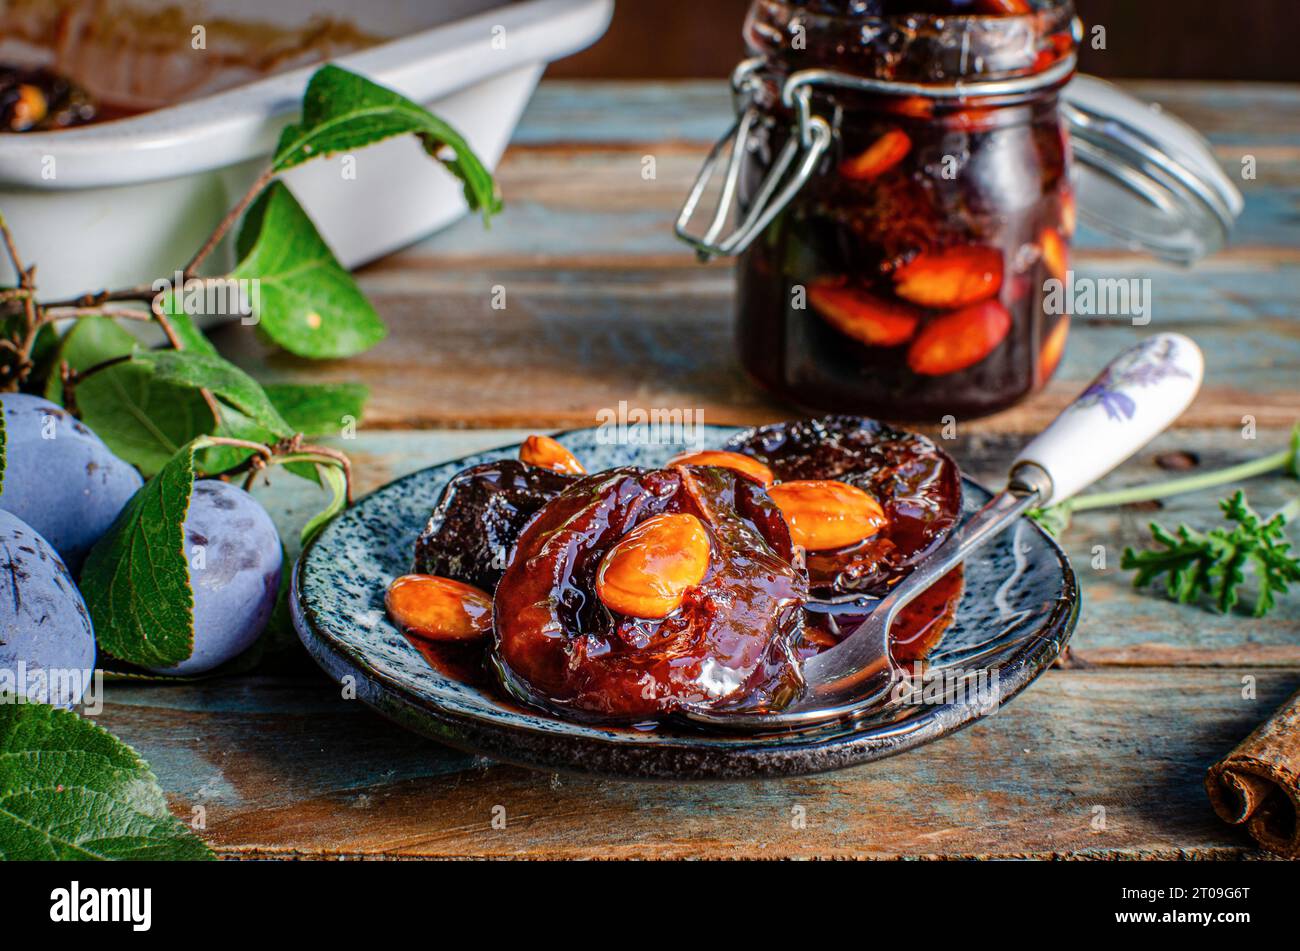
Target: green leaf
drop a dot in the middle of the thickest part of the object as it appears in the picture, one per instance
(333, 477)
(182, 325)
(318, 409)
(306, 301)
(342, 111)
(141, 418)
(1216, 562)
(44, 349)
(135, 581)
(71, 790)
(90, 342)
(220, 377)
(1054, 519)
(235, 425)
(309, 409)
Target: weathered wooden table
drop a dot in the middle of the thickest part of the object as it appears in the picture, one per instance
(603, 305)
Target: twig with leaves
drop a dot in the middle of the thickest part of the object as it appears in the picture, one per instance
(182, 412)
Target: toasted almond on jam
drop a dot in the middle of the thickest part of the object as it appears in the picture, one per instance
(1055, 254)
(1003, 7)
(747, 466)
(649, 570)
(959, 339)
(545, 453)
(824, 514)
(882, 155)
(865, 317)
(952, 277)
(1049, 356)
(439, 609)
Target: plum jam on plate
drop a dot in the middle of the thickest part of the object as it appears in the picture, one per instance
(635, 593)
(1017, 608)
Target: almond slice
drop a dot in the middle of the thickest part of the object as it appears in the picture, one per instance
(439, 609)
(953, 277)
(825, 514)
(872, 320)
(650, 569)
(545, 453)
(747, 466)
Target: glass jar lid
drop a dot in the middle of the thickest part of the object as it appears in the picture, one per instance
(1144, 176)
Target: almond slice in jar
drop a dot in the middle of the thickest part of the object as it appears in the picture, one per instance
(953, 277)
(747, 466)
(824, 514)
(1069, 213)
(439, 609)
(869, 319)
(882, 155)
(959, 339)
(1055, 253)
(1003, 7)
(1049, 357)
(545, 453)
(647, 573)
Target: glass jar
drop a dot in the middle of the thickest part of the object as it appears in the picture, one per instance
(901, 185)
(904, 279)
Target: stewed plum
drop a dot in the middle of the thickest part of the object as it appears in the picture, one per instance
(478, 519)
(914, 481)
(631, 594)
(729, 639)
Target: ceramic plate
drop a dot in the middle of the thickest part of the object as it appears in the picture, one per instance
(1019, 608)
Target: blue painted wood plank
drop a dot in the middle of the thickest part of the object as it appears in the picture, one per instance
(300, 771)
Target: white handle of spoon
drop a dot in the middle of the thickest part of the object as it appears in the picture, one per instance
(1137, 397)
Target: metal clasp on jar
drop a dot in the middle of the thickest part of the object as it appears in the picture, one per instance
(801, 154)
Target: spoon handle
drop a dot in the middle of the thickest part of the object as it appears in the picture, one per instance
(1131, 401)
(1139, 394)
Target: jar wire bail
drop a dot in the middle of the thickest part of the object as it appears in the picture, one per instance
(813, 139)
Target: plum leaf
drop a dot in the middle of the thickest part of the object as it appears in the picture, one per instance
(135, 582)
(307, 302)
(91, 341)
(71, 790)
(310, 409)
(342, 111)
(318, 409)
(197, 370)
(142, 419)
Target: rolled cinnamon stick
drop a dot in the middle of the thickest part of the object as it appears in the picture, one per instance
(1258, 783)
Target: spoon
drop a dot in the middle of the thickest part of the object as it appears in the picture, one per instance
(1135, 398)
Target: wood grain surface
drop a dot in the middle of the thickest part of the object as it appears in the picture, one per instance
(1102, 758)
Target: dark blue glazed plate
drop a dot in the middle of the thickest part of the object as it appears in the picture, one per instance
(1019, 608)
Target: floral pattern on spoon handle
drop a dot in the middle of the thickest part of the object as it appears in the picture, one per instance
(1139, 394)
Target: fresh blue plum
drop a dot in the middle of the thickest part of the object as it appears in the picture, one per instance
(60, 478)
(234, 558)
(47, 644)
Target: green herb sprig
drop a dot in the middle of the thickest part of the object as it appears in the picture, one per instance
(1216, 562)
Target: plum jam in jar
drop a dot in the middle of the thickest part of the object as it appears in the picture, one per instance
(905, 168)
